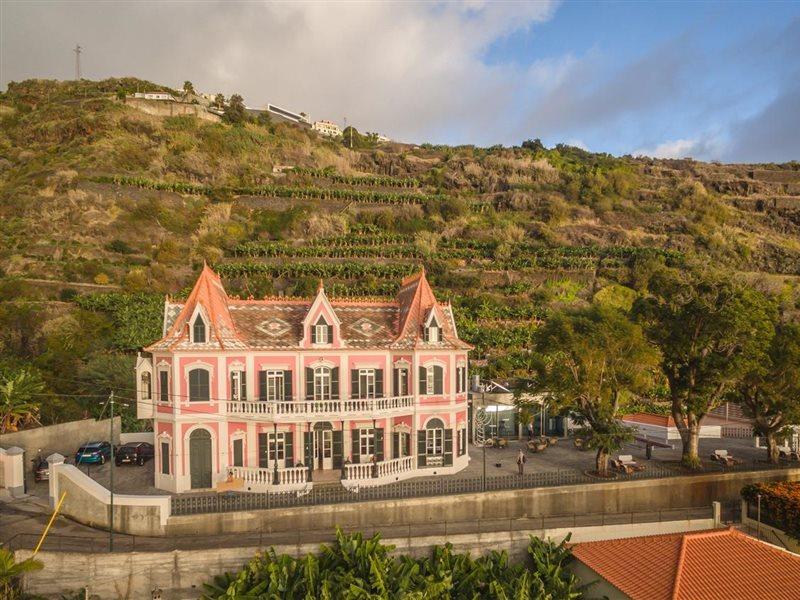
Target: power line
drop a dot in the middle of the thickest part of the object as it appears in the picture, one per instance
(77, 50)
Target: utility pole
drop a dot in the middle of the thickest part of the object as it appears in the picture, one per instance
(77, 52)
(111, 512)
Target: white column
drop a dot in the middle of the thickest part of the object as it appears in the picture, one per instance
(250, 377)
(11, 462)
(54, 462)
(252, 445)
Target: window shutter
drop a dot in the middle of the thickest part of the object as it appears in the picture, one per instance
(421, 447)
(396, 382)
(313, 334)
(234, 391)
(423, 378)
(308, 453)
(379, 383)
(238, 453)
(379, 444)
(163, 384)
(335, 383)
(338, 449)
(330, 334)
(356, 447)
(263, 450)
(354, 391)
(289, 449)
(448, 447)
(438, 380)
(287, 385)
(243, 376)
(395, 445)
(309, 383)
(426, 331)
(262, 385)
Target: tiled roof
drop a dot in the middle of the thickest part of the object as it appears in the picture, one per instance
(650, 419)
(721, 564)
(276, 323)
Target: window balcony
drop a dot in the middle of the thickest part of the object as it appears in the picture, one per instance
(324, 408)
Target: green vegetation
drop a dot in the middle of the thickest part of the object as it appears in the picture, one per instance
(354, 567)
(11, 571)
(780, 504)
(96, 193)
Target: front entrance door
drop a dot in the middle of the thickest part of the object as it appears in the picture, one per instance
(323, 449)
(200, 458)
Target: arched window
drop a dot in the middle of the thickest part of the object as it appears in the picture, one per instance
(434, 438)
(199, 331)
(147, 386)
(198, 386)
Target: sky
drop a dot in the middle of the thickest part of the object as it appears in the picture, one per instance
(710, 80)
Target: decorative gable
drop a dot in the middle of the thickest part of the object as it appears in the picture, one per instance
(321, 326)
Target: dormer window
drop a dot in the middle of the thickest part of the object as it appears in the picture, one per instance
(199, 330)
(432, 331)
(321, 332)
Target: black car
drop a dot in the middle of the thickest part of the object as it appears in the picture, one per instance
(134, 453)
(41, 469)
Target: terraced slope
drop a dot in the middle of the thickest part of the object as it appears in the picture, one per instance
(96, 193)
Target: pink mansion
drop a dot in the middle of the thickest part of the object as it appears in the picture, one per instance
(275, 394)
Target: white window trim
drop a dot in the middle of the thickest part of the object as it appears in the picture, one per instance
(402, 381)
(323, 373)
(430, 381)
(273, 376)
(199, 365)
(434, 440)
(369, 380)
(169, 395)
(241, 378)
(199, 314)
(366, 438)
(321, 332)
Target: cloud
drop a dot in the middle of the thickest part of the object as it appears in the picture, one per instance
(671, 149)
(411, 70)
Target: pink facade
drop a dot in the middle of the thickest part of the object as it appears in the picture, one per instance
(274, 393)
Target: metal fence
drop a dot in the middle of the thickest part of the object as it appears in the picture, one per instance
(439, 529)
(192, 504)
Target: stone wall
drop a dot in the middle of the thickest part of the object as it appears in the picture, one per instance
(63, 438)
(180, 573)
(613, 497)
(160, 108)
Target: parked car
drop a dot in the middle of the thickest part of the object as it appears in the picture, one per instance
(41, 469)
(93, 452)
(134, 453)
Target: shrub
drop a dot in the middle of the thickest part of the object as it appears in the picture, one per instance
(780, 503)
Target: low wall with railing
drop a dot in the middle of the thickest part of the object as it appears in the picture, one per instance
(396, 503)
(380, 473)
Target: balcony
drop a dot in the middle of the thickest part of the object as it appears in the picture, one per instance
(264, 480)
(321, 408)
(379, 473)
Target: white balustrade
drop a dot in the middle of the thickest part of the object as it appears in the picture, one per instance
(264, 478)
(385, 468)
(358, 471)
(319, 407)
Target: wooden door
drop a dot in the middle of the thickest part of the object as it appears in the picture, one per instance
(200, 458)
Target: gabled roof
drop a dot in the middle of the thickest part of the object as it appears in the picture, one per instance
(277, 323)
(721, 564)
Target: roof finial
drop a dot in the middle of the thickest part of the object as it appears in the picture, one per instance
(320, 287)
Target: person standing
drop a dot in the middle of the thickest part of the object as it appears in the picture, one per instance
(530, 431)
(520, 461)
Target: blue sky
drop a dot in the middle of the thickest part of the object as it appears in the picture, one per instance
(712, 80)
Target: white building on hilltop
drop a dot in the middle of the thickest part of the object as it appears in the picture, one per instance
(327, 128)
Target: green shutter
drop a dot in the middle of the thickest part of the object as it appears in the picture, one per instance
(335, 383)
(289, 449)
(313, 334)
(395, 445)
(423, 377)
(287, 385)
(379, 383)
(338, 449)
(356, 448)
(308, 450)
(438, 380)
(395, 382)
(309, 383)
(379, 444)
(330, 334)
(448, 447)
(421, 447)
(263, 450)
(238, 453)
(354, 391)
(262, 385)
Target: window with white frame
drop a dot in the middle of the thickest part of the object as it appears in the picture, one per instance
(366, 438)
(199, 387)
(434, 442)
(277, 446)
(322, 383)
(366, 384)
(429, 382)
(147, 386)
(274, 385)
(401, 382)
(238, 385)
(163, 385)
(165, 458)
(461, 379)
(432, 331)
(321, 332)
(462, 441)
(199, 330)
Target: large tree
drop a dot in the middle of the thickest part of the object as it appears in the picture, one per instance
(235, 111)
(595, 359)
(709, 327)
(769, 393)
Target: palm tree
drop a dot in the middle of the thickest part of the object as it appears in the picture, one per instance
(17, 402)
(11, 571)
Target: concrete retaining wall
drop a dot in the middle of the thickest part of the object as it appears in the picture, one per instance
(613, 497)
(88, 502)
(142, 436)
(180, 574)
(63, 438)
(161, 108)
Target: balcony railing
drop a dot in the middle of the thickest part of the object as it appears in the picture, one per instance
(380, 472)
(319, 407)
(264, 479)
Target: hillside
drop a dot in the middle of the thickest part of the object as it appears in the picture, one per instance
(103, 209)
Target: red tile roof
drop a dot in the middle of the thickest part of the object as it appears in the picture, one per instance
(276, 323)
(721, 564)
(650, 419)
